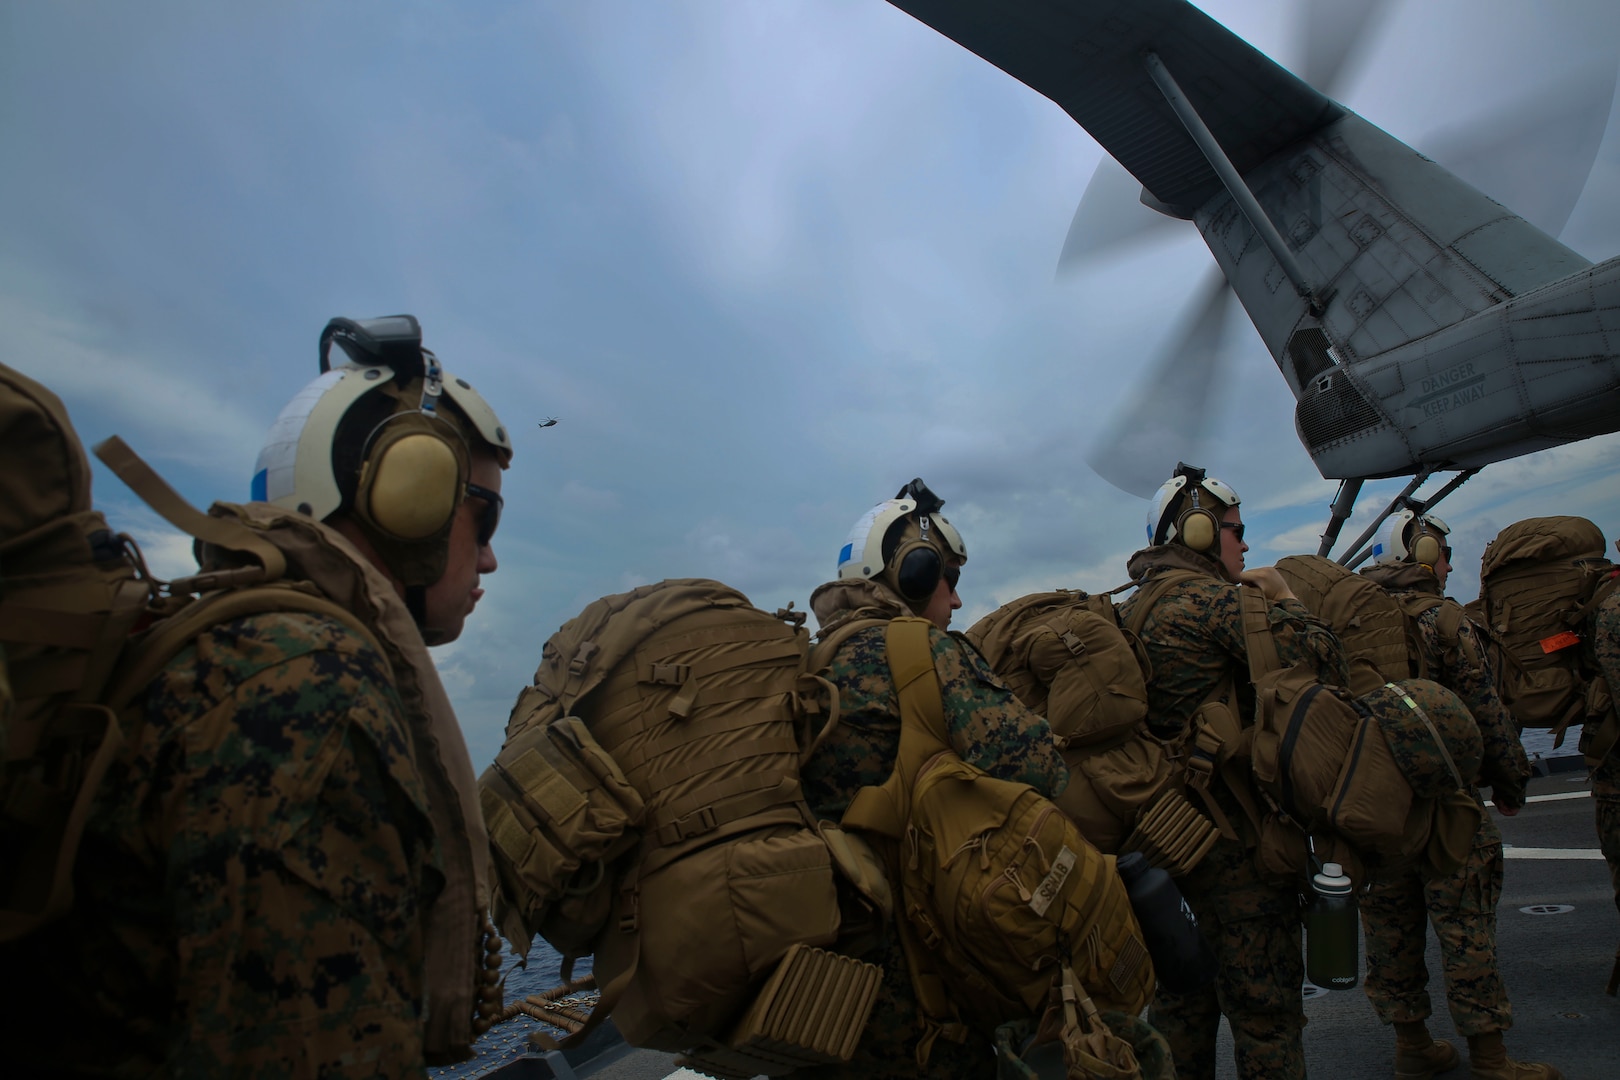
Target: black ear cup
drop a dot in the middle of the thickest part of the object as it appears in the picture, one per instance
(917, 573)
(1426, 549)
(1198, 529)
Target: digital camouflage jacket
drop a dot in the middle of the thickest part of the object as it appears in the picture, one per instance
(1194, 637)
(988, 727)
(1461, 666)
(280, 873)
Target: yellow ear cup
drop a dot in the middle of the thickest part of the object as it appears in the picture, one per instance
(414, 485)
(1426, 549)
(1198, 529)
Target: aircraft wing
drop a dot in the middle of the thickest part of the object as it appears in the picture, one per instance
(1087, 55)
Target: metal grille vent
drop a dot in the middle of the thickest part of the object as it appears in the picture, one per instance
(1308, 349)
(1331, 410)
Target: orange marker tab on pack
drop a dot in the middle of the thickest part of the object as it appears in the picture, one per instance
(1560, 641)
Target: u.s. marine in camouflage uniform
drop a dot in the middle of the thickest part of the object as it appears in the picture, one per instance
(1194, 636)
(911, 568)
(284, 874)
(1599, 740)
(1412, 559)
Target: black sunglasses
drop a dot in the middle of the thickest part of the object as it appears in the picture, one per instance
(1236, 526)
(952, 575)
(489, 519)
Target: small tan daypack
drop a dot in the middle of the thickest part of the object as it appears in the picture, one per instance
(1065, 655)
(998, 888)
(1325, 765)
(1540, 580)
(646, 808)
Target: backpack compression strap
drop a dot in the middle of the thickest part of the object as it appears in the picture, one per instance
(884, 809)
(156, 493)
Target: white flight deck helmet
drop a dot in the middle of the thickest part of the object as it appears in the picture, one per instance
(1187, 510)
(370, 437)
(904, 542)
(1409, 537)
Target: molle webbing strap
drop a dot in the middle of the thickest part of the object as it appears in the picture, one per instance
(156, 493)
(725, 801)
(652, 667)
(785, 745)
(1606, 585)
(88, 621)
(634, 749)
(1257, 639)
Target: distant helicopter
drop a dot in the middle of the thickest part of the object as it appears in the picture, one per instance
(1422, 327)
(550, 421)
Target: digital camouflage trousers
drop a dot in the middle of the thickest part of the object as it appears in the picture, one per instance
(1253, 927)
(1395, 914)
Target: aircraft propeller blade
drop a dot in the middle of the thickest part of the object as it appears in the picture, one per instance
(1333, 36)
(1535, 156)
(1165, 420)
(1111, 216)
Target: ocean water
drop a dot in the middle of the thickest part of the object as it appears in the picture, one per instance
(1538, 744)
(509, 1040)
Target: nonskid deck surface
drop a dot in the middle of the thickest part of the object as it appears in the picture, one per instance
(1557, 932)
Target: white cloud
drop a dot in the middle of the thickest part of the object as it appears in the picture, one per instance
(767, 262)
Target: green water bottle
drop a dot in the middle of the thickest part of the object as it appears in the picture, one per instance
(1332, 944)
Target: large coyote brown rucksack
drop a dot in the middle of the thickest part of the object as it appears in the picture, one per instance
(1066, 656)
(72, 593)
(646, 808)
(1001, 889)
(1539, 580)
(1374, 627)
(84, 629)
(1375, 771)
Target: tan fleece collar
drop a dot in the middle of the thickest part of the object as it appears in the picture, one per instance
(1173, 557)
(838, 601)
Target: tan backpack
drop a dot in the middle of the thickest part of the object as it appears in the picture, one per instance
(74, 596)
(1373, 626)
(1540, 580)
(1325, 765)
(997, 886)
(1065, 655)
(646, 808)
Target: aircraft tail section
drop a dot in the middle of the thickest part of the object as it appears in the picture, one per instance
(1397, 246)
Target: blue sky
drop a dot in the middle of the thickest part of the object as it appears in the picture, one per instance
(766, 260)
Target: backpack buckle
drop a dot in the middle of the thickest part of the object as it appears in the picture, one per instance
(576, 666)
(696, 823)
(1202, 757)
(670, 674)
